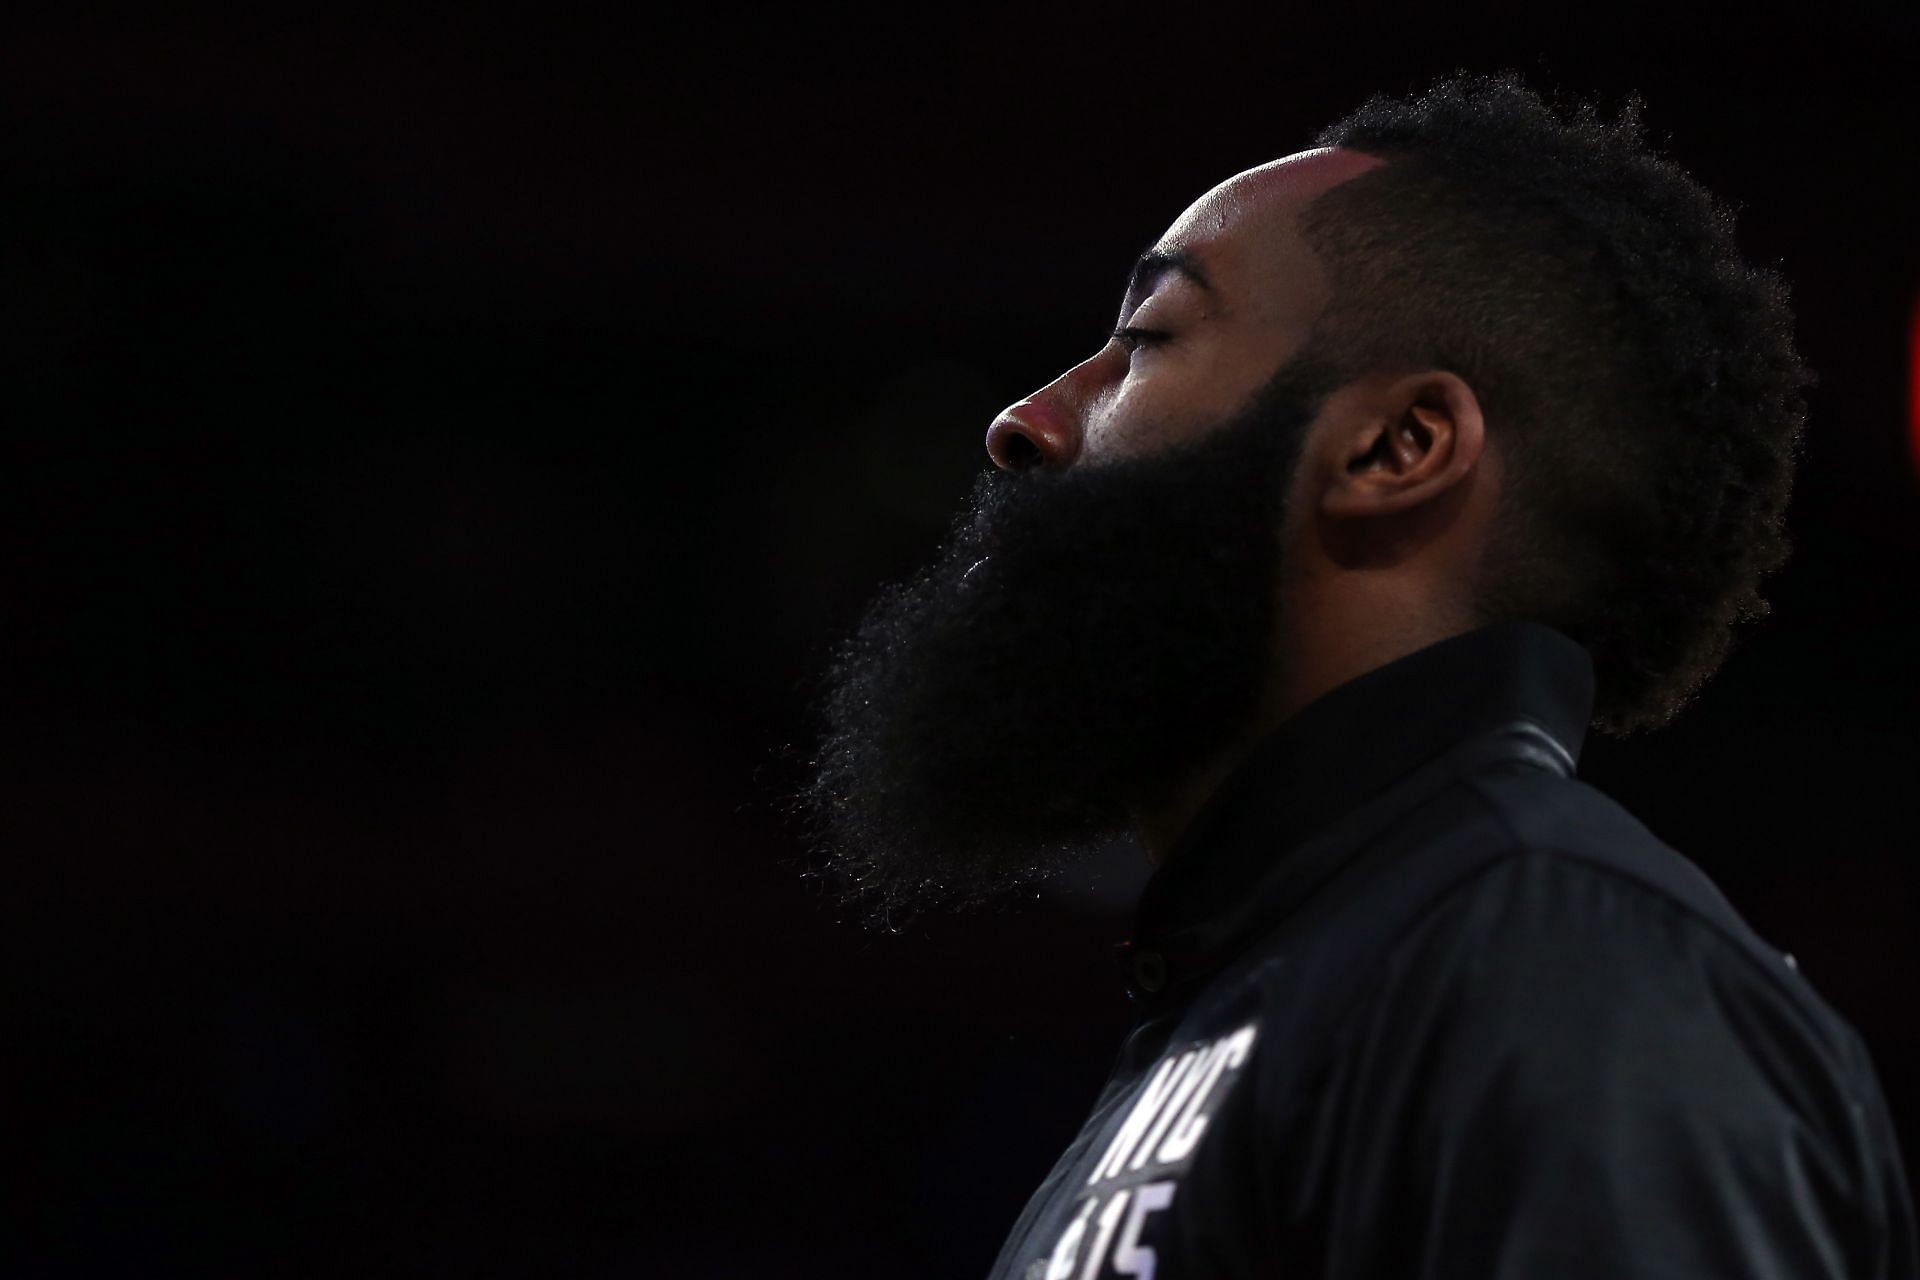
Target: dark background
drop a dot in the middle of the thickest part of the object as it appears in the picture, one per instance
(439, 452)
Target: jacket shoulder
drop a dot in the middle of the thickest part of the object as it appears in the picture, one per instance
(1573, 833)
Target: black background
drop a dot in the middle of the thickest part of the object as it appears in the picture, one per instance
(438, 453)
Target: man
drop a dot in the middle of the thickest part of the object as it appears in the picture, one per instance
(1410, 457)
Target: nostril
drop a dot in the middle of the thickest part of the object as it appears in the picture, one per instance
(1016, 451)
(1030, 435)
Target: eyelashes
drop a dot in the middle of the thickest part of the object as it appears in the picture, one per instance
(1134, 338)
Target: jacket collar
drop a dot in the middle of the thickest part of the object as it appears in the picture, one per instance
(1330, 759)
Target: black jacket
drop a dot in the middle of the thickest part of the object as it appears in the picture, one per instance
(1414, 1002)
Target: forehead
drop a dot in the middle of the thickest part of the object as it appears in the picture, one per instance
(1245, 232)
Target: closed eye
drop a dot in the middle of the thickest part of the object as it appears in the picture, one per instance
(1133, 338)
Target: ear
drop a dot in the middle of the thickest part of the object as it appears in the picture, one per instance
(1399, 444)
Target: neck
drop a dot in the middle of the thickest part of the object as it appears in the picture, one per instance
(1308, 668)
(1160, 825)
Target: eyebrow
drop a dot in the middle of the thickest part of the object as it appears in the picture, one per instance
(1155, 263)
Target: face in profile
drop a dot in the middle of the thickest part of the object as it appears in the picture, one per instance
(1102, 614)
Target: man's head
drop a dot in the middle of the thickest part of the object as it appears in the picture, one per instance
(1469, 360)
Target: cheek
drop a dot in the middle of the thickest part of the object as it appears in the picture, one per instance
(1147, 412)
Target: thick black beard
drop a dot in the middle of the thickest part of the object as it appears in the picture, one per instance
(1083, 641)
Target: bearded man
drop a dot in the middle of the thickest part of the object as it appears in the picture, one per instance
(1411, 457)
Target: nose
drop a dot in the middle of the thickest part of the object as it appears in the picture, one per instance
(1031, 434)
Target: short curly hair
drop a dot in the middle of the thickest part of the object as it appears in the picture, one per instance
(1638, 375)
